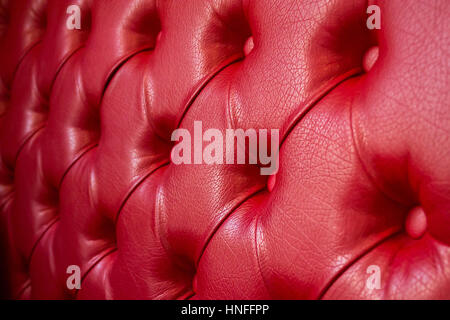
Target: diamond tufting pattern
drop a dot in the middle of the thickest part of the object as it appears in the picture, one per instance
(86, 177)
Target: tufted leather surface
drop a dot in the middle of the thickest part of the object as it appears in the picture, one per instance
(364, 165)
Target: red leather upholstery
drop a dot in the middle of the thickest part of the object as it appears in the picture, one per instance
(87, 117)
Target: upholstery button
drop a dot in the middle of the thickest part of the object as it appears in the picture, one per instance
(416, 223)
(370, 57)
(158, 37)
(248, 46)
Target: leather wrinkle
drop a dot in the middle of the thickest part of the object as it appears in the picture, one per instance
(363, 165)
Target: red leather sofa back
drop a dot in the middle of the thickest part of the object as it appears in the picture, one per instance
(86, 177)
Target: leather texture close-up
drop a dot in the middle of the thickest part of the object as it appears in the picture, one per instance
(86, 123)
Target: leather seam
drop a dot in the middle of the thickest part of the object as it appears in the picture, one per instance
(353, 261)
(106, 253)
(22, 58)
(134, 187)
(38, 240)
(206, 80)
(118, 65)
(77, 157)
(62, 64)
(317, 97)
(190, 296)
(26, 140)
(24, 288)
(222, 221)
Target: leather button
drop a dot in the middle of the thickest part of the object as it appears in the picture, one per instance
(158, 37)
(248, 46)
(416, 223)
(370, 57)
